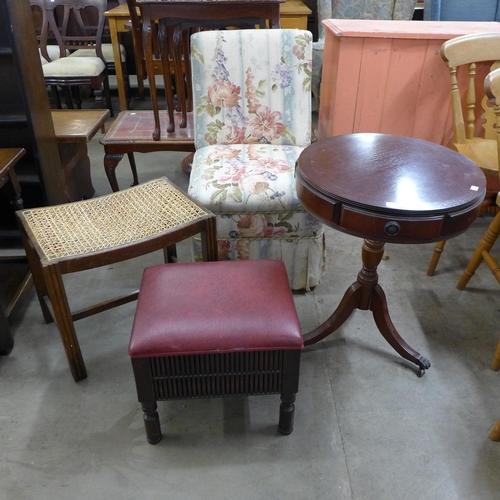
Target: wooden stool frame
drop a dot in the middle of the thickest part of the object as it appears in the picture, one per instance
(48, 274)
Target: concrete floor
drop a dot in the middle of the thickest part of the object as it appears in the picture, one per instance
(366, 427)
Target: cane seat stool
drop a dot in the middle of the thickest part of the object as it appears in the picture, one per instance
(215, 329)
(101, 231)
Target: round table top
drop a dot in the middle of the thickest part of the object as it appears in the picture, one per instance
(391, 174)
(390, 188)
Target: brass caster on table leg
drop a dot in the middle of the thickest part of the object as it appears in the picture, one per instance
(423, 364)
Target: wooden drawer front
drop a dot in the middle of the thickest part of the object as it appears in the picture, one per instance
(318, 206)
(460, 221)
(403, 230)
(293, 22)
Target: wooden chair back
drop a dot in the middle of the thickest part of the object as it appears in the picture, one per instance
(84, 32)
(474, 133)
(165, 51)
(492, 90)
(467, 51)
(473, 116)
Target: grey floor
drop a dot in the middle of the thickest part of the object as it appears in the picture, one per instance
(366, 426)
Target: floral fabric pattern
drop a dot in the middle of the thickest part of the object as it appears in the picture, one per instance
(240, 100)
(304, 258)
(237, 178)
(252, 103)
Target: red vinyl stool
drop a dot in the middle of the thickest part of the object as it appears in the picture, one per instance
(215, 329)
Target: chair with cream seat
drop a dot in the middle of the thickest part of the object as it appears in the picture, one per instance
(70, 73)
(252, 106)
(39, 17)
(473, 121)
(483, 250)
(485, 245)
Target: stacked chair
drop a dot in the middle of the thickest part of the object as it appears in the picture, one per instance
(64, 69)
(482, 252)
(473, 124)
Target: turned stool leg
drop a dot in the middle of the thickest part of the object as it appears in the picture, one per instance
(291, 369)
(287, 413)
(151, 422)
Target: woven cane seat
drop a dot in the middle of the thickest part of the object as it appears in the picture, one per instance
(107, 222)
(93, 233)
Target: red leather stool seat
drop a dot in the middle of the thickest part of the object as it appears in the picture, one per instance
(215, 329)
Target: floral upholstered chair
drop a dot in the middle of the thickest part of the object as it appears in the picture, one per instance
(353, 9)
(252, 102)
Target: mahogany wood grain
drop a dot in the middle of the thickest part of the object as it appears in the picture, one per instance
(386, 188)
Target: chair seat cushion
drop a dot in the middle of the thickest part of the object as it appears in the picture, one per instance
(214, 307)
(53, 52)
(74, 66)
(245, 177)
(252, 189)
(107, 52)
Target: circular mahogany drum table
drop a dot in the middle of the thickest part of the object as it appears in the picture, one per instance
(386, 188)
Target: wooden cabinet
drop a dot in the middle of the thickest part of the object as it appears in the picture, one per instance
(25, 117)
(388, 76)
(294, 14)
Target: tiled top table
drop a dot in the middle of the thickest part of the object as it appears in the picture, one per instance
(388, 76)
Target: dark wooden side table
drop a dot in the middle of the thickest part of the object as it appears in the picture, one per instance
(386, 188)
(8, 181)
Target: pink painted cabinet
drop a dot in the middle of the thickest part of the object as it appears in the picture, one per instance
(388, 77)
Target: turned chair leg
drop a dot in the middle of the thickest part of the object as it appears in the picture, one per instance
(438, 250)
(495, 363)
(495, 432)
(487, 241)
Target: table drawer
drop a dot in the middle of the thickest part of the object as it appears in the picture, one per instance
(397, 229)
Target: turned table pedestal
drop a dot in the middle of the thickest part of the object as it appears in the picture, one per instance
(386, 188)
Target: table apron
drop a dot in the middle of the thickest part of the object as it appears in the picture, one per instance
(213, 11)
(387, 227)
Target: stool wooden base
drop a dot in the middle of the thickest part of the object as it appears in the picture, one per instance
(215, 329)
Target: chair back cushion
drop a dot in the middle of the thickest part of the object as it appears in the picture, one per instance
(252, 86)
